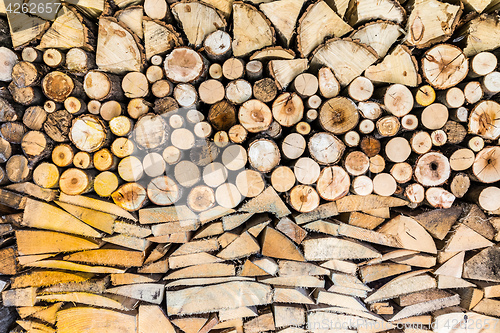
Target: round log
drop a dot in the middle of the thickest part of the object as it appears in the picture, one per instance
(102, 86)
(233, 68)
(325, 148)
(83, 160)
(89, 133)
(362, 185)
(184, 65)
(265, 90)
(306, 170)
(130, 196)
(293, 146)
(187, 173)
(163, 191)
(487, 165)
(130, 169)
(154, 165)
(150, 132)
(76, 181)
(432, 169)
(222, 115)
(18, 169)
(303, 198)
(397, 149)
(214, 174)
(122, 147)
(434, 116)
(338, 115)
(250, 183)
(186, 95)
(201, 198)
(333, 183)
(106, 183)
(46, 175)
(238, 91)
(384, 184)
(288, 109)
(227, 195)
(444, 66)
(356, 163)
(263, 155)
(255, 116)
(234, 157)
(282, 179)
(361, 89)
(211, 91)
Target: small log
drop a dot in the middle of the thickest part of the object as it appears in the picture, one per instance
(325, 148)
(303, 198)
(79, 62)
(384, 184)
(201, 198)
(18, 169)
(25, 96)
(239, 91)
(306, 170)
(485, 165)
(105, 183)
(338, 115)
(150, 132)
(265, 90)
(130, 169)
(36, 146)
(76, 181)
(288, 109)
(424, 96)
(432, 169)
(282, 179)
(434, 116)
(444, 66)
(397, 150)
(333, 183)
(328, 84)
(135, 85)
(184, 65)
(255, 116)
(254, 70)
(388, 126)
(263, 155)
(130, 196)
(460, 185)
(102, 86)
(185, 95)
(217, 45)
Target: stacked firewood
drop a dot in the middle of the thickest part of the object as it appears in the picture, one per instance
(227, 166)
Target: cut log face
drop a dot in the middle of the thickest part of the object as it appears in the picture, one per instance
(158, 38)
(184, 65)
(318, 22)
(431, 22)
(251, 30)
(366, 10)
(117, 49)
(283, 15)
(444, 66)
(378, 35)
(483, 120)
(336, 54)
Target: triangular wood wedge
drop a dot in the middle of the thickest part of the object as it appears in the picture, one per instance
(33, 190)
(100, 205)
(111, 257)
(480, 34)
(159, 38)
(465, 239)
(397, 67)
(370, 273)
(146, 292)
(267, 201)
(192, 259)
(131, 278)
(43, 278)
(346, 58)
(225, 6)
(241, 312)
(409, 234)
(44, 313)
(294, 281)
(230, 222)
(42, 215)
(333, 299)
(251, 29)
(378, 35)
(353, 203)
(205, 245)
(439, 221)
(94, 218)
(284, 71)
(152, 319)
(229, 295)
(28, 242)
(24, 28)
(118, 52)
(366, 10)
(203, 270)
(368, 235)
(277, 245)
(323, 211)
(251, 269)
(323, 227)
(71, 266)
(103, 301)
(318, 22)
(403, 284)
(296, 268)
(206, 281)
(273, 53)
(428, 306)
(448, 282)
(326, 248)
(93, 320)
(68, 31)
(431, 22)
(33, 326)
(292, 295)
(283, 14)
(243, 246)
(341, 266)
(188, 16)
(190, 324)
(452, 267)
(482, 265)
(132, 17)
(129, 242)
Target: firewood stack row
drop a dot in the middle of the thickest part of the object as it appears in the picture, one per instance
(227, 166)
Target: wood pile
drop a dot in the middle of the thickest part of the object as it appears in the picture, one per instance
(260, 166)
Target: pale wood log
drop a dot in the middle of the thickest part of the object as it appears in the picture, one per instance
(249, 183)
(234, 157)
(352, 138)
(233, 68)
(338, 115)
(490, 84)
(122, 147)
(306, 170)
(211, 91)
(460, 185)
(31, 54)
(402, 172)
(325, 148)
(264, 155)
(102, 86)
(13, 132)
(432, 169)
(282, 179)
(154, 73)
(251, 30)
(356, 163)
(397, 149)
(150, 131)
(238, 91)
(53, 57)
(132, 18)
(485, 164)
(217, 45)
(293, 146)
(150, 318)
(438, 197)
(288, 109)
(221, 139)
(201, 198)
(421, 142)
(328, 84)
(215, 71)
(254, 70)
(384, 184)
(409, 122)
(36, 146)
(184, 65)
(162, 88)
(153, 165)
(79, 61)
(388, 126)
(94, 107)
(185, 95)
(18, 169)
(444, 66)
(106, 183)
